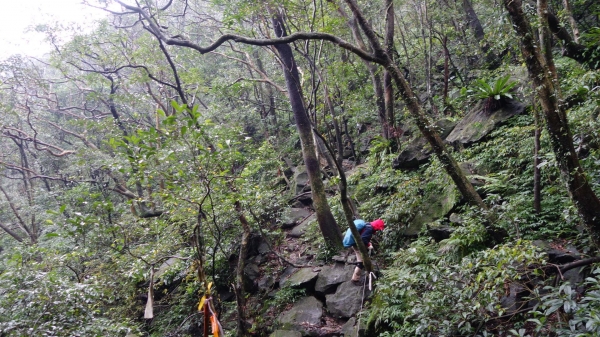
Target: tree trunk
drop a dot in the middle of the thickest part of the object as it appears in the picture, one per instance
(473, 20)
(10, 232)
(388, 88)
(546, 41)
(572, 49)
(239, 277)
(339, 142)
(349, 213)
(30, 231)
(537, 180)
(475, 25)
(580, 191)
(374, 74)
(446, 71)
(350, 141)
(546, 44)
(572, 22)
(323, 153)
(421, 10)
(329, 228)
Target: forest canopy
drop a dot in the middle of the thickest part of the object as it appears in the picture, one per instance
(165, 173)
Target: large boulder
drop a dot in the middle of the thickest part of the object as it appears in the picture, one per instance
(304, 199)
(299, 230)
(290, 217)
(347, 299)
(516, 299)
(558, 254)
(350, 329)
(301, 180)
(265, 283)
(475, 175)
(331, 276)
(435, 205)
(251, 271)
(287, 272)
(305, 314)
(164, 267)
(480, 121)
(285, 333)
(419, 150)
(301, 278)
(439, 232)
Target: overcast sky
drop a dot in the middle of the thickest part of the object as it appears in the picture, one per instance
(17, 16)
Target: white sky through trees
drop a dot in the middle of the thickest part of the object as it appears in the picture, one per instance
(19, 17)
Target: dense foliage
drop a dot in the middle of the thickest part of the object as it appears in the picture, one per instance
(134, 170)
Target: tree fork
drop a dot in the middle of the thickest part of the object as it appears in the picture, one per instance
(327, 224)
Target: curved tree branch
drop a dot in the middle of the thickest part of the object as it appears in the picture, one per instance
(158, 32)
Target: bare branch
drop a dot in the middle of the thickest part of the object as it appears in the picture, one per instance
(83, 138)
(265, 78)
(11, 232)
(46, 147)
(157, 31)
(22, 223)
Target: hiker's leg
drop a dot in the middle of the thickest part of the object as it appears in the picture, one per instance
(359, 265)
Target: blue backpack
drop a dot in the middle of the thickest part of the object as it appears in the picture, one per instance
(348, 238)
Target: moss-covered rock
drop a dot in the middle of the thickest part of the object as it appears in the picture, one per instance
(480, 121)
(436, 205)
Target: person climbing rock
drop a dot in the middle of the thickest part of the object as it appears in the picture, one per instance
(366, 231)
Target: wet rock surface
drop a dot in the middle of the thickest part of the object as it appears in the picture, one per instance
(347, 300)
(305, 313)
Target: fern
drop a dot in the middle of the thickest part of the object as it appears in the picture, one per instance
(500, 88)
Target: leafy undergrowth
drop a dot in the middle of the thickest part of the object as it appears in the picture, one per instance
(460, 286)
(427, 293)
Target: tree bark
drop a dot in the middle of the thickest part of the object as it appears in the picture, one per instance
(388, 87)
(10, 232)
(580, 191)
(374, 74)
(339, 142)
(31, 231)
(239, 277)
(572, 49)
(329, 228)
(446, 71)
(350, 141)
(546, 44)
(537, 180)
(572, 22)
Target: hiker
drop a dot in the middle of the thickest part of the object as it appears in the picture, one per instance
(366, 231)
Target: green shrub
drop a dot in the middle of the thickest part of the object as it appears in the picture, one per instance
(39, 300)
(427, 294)
(579, 314)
